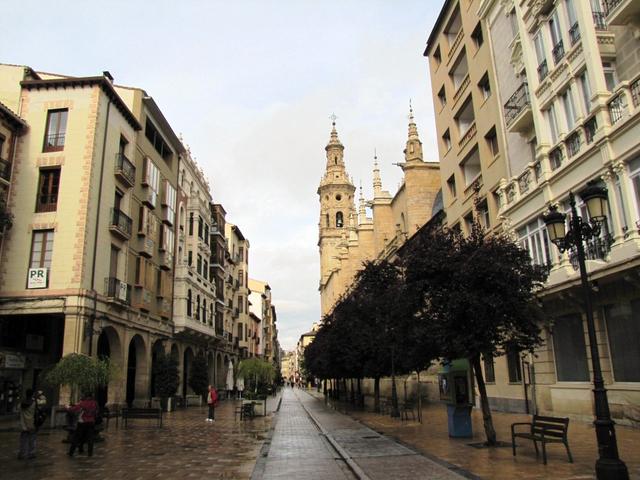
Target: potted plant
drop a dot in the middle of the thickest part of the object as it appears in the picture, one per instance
(80, 373)
(259, 376)
(166, 379)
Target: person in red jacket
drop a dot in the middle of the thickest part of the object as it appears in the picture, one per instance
(87, 408)
(212, 400)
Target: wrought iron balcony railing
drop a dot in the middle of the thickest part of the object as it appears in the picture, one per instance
(125, 168)
(558, 52)
(543, 70)
(516, 103)
(121, 221)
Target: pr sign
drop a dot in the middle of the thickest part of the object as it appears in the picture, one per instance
(37, 278)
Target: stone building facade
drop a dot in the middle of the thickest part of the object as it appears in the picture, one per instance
(567, 88)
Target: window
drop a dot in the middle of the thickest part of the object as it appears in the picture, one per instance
(460, 72)
(569, 108)
(48, 187)
(41, 249)
(446, 140)
(151, 179)
(513, 365)
(570, 350)
(169, 201)
(556, 38)
(339, 220)
(199, 264)
(553, 124)
(442, 97)
(586, 92)
(152, 134)
(483, 214)
(206, 234)
(484, 86)
(189, 300)
(538, 43)
(513, 23)
(55, 131)
(492, 142)
(197, 307)
(241, 304)
(471, 167)
(437, 56)
(241, 278)
(204, 310)
(574, 30)
(191, 223)
(189, 258)
(465, 118)
(623, 329)
(610, 75)
(205, 269)
(476, 35)
(489, 371)
(533, 238)
(200, 222)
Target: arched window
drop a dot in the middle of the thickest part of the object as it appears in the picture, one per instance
(189, 303)
(335, 159)
(204, 311)
(339, 220)
(191, 223)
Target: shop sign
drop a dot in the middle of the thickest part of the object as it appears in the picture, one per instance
(11, 360)
(122, 291)
(37, 278)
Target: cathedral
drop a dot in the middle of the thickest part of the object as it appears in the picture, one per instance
(348, 237)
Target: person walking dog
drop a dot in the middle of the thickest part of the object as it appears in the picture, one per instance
(212, 400)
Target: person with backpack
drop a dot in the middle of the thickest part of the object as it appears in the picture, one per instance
(28, 426)
(212, 400)
(87, 408)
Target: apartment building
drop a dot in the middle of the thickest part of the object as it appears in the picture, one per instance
(467, 112)
(237, 323)
(266, 333)
(567, 88)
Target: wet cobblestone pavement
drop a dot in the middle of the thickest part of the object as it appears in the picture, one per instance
(185, 447)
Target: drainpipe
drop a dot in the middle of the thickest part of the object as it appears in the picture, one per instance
(92, 319)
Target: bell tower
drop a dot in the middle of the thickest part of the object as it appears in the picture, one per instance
(337, 206)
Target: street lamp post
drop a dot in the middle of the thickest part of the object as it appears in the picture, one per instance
(608, 466)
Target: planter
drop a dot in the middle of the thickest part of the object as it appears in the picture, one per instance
(165, 403)
(193, 400)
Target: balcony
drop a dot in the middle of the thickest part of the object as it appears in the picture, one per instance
(574, 33)
(573, 143)
(556, 157)
(517, 110)
(142, 298)
(622, 12)
(125, 171)
(558, 52)
(165, 259)
(117, 291)
(543, 70)
(617, 107)
(120, 224)
(5, 169)
(147, 247)
(590, 129)
(461, 89)
(468, 136)
(635, 92)
(599, 21)
(457, 40)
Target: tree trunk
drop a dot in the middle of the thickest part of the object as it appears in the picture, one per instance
(352, 392)
(360, 400)
(376, 395)
(484, 402)
(419, 398)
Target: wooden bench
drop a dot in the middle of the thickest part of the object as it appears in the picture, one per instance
(544, 430)
(128, 413)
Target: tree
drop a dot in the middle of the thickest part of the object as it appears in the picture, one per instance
(199, 375)
(81, 373)
(257, 373)
(477, 295)
(166, 375)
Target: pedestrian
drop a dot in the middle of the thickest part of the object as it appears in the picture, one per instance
(212, 400)
(27, 423)
(87, 409)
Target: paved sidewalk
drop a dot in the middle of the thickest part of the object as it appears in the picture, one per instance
(431, 438)
(310, 439)
(185, 447)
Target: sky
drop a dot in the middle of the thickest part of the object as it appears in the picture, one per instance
(251, 86)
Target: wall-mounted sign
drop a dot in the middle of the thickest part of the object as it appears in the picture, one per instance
(37, 278)
(11, 360)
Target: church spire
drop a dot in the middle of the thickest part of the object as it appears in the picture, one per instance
(334, 149)
(362, 212)
(377, 181)
(413, 150)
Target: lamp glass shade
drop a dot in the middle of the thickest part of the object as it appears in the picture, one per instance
(595, 198)
(556, 228)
